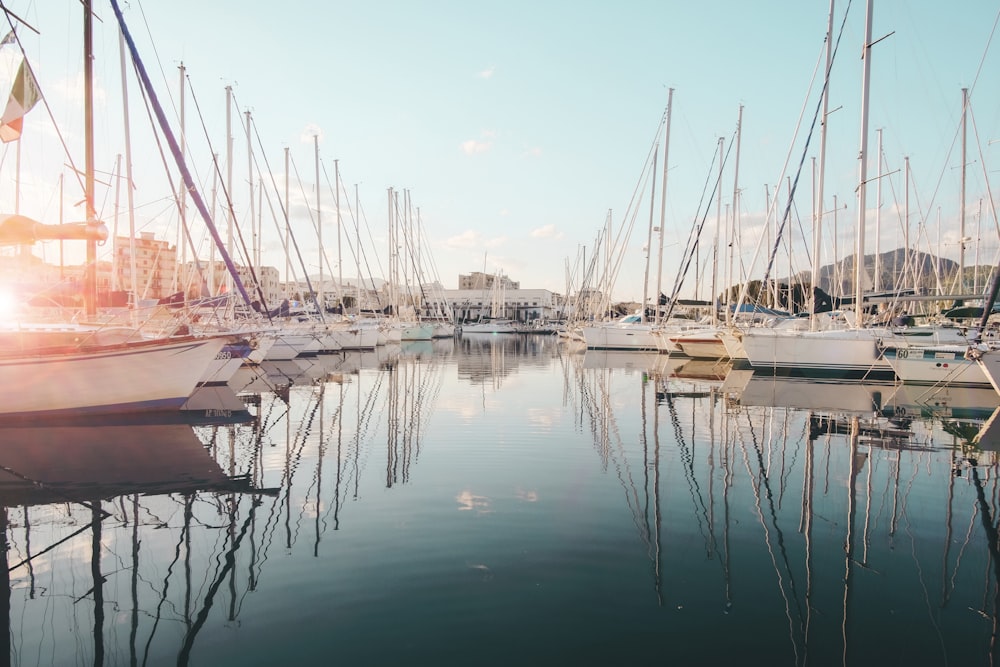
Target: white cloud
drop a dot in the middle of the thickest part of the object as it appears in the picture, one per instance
(546, 232)
(533, 152)
(467, 239)
(473, 146)
(481, 145)
(309, 131)
(487, 73)
(473, 239)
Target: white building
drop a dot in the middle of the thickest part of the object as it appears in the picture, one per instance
(522, 305)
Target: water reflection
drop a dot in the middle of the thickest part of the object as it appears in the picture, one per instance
(610, 496)
(772, 481)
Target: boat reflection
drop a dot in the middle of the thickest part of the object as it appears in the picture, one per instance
(821, 481)
(75, 499)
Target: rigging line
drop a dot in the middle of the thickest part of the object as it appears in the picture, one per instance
(178, 157)
(285, 214)
(62, 141)
(156, 56)
(408, 244)
(691, 246)
(766, 481)
(312, 221)
(682, 273)
(805, 148)
(230, 557)
(982, 162)
(755, 485)
(251, 268)
(687, 463)
(281, 237)
(982, 61)
(350, 246)
(173, 186)
(163, 597)
(357, 230)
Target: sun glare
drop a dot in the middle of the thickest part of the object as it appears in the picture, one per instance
(8, 305)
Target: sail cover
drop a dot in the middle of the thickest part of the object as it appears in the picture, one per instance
(21, 230)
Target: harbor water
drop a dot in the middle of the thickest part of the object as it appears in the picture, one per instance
(507, 500)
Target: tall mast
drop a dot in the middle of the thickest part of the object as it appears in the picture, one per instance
(129, 197)
(715, 243)
(961, 214)
(663, 204)
(736, 207)
(859, 257)
(211, 250)
(878, 211)
(906, 224)
(818, 213)
(229, 182)
(90, 275)
(340, 255)
(255, 251)
(181, 247)
(288, 256)
(321, 300)
(649, 235)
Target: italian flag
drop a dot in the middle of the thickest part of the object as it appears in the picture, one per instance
(23, 96)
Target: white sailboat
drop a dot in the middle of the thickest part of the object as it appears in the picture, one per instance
(73, 368)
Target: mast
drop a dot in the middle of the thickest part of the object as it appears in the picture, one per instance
(229, 180)
(114, 234)
(735, 219)
(907, 267)
(649, 236)
(181, 246)
(878, 212)
(211, 249)
(961, 203)
(715, 243)
(321, 298)
(90, 274)
(663, 203)
(255, 250)
(340, 255)
(818, 215)
(288, 257)
(859, 257)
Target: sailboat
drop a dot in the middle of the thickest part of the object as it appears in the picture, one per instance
(75, 367)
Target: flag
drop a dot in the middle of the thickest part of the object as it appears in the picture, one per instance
(23, 96)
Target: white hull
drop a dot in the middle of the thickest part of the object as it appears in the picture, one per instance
(489, 328)
(935, 364)
(356, 338)
(615, 336)
(415, 331)
(989, 363)
(151, 375)
(225, 364)
(289, 344)
(704, 344)
(444, 330)
(833, 353)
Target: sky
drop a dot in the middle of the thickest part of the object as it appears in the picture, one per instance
(522, 131)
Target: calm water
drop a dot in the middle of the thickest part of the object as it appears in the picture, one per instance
(500, 500)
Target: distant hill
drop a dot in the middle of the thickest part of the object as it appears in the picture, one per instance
(924, 271)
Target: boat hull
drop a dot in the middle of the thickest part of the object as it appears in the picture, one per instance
(146, 376)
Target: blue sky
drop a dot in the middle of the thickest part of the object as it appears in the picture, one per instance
(516, 127)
